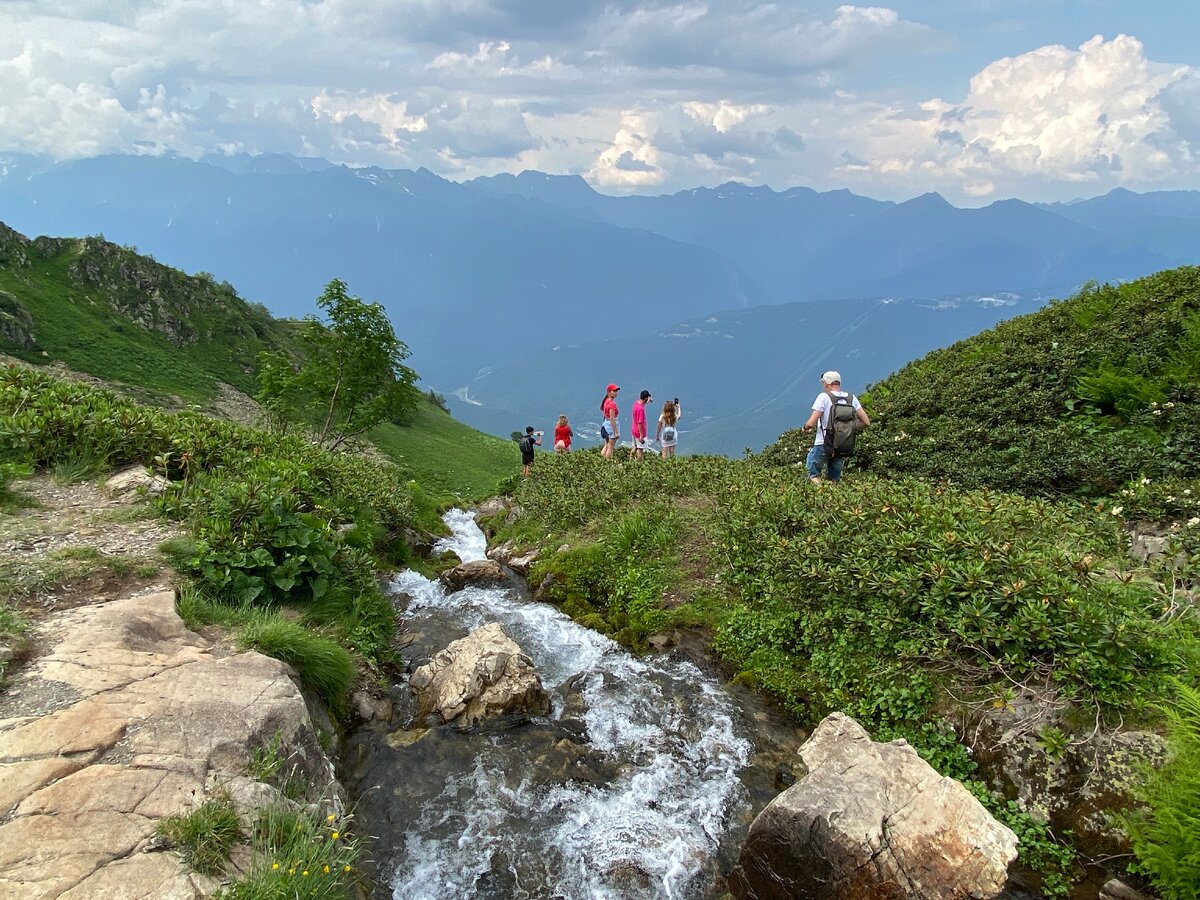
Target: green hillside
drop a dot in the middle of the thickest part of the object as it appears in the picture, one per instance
(1078, 398)
(106, 311)
(173, 339)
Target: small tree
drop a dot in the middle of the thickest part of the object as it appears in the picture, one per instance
(352, 376)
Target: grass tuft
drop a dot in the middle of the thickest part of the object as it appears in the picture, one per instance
(206, 835)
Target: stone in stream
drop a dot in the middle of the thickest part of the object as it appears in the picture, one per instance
(474, 572)
(872, 821)
(480, 676)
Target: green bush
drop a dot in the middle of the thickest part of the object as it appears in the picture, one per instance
(1166, 837)
(872, 587)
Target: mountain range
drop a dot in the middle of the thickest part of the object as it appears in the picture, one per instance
(523, 295)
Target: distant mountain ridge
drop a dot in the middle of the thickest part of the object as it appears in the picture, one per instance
(489, 275)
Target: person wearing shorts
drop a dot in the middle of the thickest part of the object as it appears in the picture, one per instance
(610, 428)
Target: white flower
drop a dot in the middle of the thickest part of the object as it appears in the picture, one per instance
(1145, 481)
(1187, 491)
(1170, 404)
(1158, 412)
(1116, 510)
(1194, 521)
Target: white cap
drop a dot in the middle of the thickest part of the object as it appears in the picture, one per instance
(831, 376)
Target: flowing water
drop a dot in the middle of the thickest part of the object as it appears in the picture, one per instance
(628, 789)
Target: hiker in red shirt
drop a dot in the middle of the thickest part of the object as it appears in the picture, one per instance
(639, 424)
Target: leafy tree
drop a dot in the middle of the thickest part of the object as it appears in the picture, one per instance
(352, 376)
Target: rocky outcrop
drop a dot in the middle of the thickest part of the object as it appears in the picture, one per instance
(1026, 750)
(135, 480)
(482, 675)
(475, 572)
(16, 323)
(124, 718)
(872, 821)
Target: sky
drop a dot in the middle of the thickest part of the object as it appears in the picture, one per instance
(976, 99)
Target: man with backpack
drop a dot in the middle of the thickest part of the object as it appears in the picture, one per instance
(838, 418)
(532, 439)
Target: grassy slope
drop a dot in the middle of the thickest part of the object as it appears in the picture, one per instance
(448, 457)
(84, 296)
(1060, 401)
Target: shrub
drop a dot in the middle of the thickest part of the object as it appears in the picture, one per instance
(874, 586)
(1166, 837)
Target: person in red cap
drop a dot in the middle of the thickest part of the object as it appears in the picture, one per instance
(610, 428)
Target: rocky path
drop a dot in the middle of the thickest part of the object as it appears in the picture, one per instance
(115, 715)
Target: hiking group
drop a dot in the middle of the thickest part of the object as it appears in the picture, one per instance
(837, 417)
(666, 435)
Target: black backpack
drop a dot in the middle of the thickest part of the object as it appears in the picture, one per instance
(842, 428)
(526, 444)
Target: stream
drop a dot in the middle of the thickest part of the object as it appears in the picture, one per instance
(635, 785)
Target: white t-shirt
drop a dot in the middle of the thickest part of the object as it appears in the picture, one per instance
(825, 404)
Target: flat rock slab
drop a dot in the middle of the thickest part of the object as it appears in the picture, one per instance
(125, 718)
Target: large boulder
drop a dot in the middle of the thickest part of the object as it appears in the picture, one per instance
(474, 572)
(872, 821)
(482, 675)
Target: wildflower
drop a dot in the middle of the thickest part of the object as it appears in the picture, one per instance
(335, 835)
(346, 868)
(1187, 490)
(1116, 510)
(274, 867)
(330, 817)
(305, 873)
(327, 870)
(291, 871)
(1170, 404)
(1145, 481)
(1194, 521)
(1156, 412)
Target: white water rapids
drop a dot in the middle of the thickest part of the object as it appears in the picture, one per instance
(494, 825)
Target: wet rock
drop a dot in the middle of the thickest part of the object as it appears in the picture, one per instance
(661, 642)
(482, 675)
(474, 572)
(541, 592)
(872, 820)
(1115, 889)
(372, 708)
(405, 737)
(135, 480)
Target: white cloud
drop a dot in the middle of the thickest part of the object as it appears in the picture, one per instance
(723, 114)
(1093, 116)
(631, 161)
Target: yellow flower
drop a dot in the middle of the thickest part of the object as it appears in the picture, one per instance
(327, 870)
(291, 871)
(346, 869)
(305, 873)
(274, 867)
(335, 835)
(330, 817)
